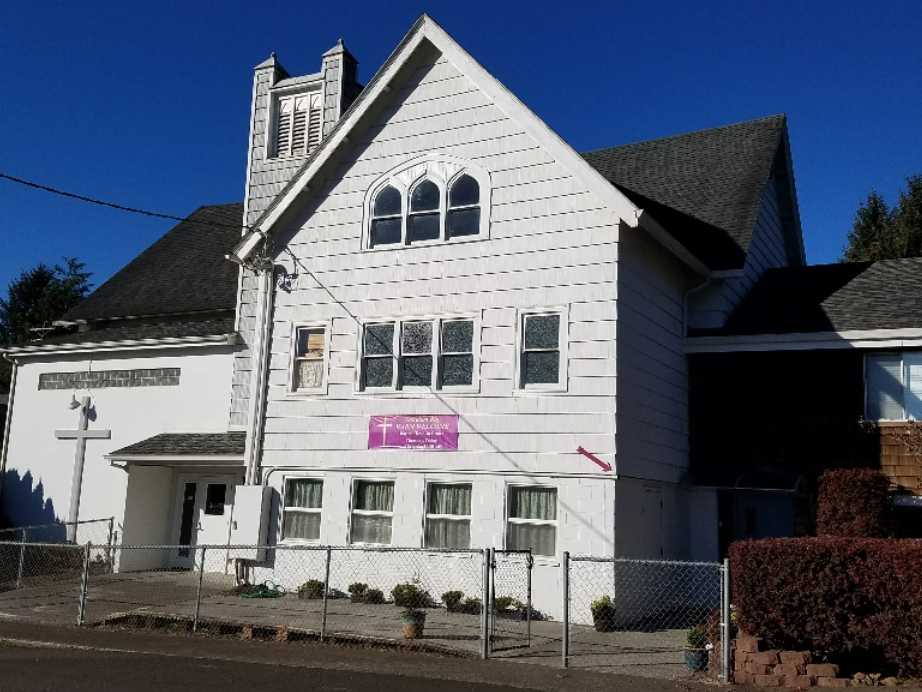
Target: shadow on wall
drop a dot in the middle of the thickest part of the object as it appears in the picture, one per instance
(21, 504)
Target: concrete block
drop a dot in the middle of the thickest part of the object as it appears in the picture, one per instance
(747, 643)
(768, 658)
(832, 682)
(823, 670)
(798, 658)
(770, 680)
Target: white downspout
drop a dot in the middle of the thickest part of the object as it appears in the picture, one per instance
(259, 376)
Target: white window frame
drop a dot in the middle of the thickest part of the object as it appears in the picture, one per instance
(904, 381)
(450, 517)
(443, 170)
(436, 345)
(276, 96)
(301, 510)
(533, 522)
(562, 341)
(327, 328)
(370, 513)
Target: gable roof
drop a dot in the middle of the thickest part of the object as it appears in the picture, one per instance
(184, 271)
(714, 178)
(832, 298)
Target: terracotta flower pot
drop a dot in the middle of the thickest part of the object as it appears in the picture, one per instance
(412, 623)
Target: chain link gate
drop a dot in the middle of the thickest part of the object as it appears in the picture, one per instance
(510, 596)
(645, 617)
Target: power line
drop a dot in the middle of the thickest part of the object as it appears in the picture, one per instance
(114, 205)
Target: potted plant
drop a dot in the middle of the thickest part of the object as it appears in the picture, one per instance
(311, 589)
(410, 595)
(358, 592)
(696, 655)
(452, 600)
(413, 621)
(374, 596)
(603, 614)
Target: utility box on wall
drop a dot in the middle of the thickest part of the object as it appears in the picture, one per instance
(250, 521)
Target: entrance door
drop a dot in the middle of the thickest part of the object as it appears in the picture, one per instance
(203, 517)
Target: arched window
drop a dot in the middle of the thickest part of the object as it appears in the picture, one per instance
(463, 208)
(423, 219)
(387, 217)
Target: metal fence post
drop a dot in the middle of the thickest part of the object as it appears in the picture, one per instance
(198, 591)
(109, 543)
(725, 622)
(84, 583)
(529, 565)
(485, 603)
(565, 578)
(326, 591)
(22, 559)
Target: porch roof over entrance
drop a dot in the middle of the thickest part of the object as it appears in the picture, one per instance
(167, 449)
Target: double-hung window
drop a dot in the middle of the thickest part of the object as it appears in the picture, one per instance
(308, 359)
(532, 519)
(301, 513)
(448, 516)
(372, 512)
(893, 385)
(541, 358)
(418, 353)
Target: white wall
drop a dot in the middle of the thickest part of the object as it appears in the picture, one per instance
(197, 404)
(150, 498)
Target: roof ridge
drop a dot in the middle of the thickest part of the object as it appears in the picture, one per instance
(666, 138)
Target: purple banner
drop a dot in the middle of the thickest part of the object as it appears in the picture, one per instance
(413, 432)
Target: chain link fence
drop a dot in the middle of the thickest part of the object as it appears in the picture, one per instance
(511, 595)
(95, 531)
(647, 617)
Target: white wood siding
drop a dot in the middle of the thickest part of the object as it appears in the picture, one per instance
(551, 244)
(652, 414)
(711, 307)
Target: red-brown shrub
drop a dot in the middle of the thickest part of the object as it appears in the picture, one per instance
(850, 599)
(853, 503)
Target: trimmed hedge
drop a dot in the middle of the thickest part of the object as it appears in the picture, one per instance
(857, 601)
(854, 503)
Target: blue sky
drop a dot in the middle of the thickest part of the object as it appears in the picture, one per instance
(148, 103)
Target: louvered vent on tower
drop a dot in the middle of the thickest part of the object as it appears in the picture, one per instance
(298, 125)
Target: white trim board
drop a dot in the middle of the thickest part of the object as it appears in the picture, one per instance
(426, 29)
(807, 341)
(125, 345)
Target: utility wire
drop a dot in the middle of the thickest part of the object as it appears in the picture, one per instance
(114, 205)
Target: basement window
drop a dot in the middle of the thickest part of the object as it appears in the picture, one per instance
(893, 386)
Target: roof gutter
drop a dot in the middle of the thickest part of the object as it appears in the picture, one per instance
(124, 345)
(806, 341)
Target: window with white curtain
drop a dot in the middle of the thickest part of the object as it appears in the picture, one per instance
(532, 519)
(303, 505)
(448, 516)
(893, 385)
(372, 512)
(308, 364)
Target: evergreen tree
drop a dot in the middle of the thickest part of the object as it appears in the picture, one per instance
(879, 232)
(40, 296)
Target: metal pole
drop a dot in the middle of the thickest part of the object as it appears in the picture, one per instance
(109, 543)
(725, 622)
(22, 559)
(84, 583)
(484, 599)
(198, 592)
(326, 591)
(529, 564)
(491, 594)
(565, 578)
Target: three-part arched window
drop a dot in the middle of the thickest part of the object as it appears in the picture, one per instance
(432, 211)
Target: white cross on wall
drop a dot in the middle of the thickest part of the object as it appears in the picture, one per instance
(384, 425)
(81, 434)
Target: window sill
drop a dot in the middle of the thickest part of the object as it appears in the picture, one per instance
(305, 393)
(299, 541)
(415, 393)
(427, 243)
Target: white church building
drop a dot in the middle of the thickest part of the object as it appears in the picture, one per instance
(430, 323)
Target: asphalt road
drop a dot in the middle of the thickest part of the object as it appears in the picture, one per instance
(46, 657)
(35, 669)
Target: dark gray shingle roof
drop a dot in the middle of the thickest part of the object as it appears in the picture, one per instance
(833, 297)
(207, 324)
(186, 444)
(714, 176)
(184, 271)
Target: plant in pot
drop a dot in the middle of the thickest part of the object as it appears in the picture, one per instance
(411, 595)
(413, 620)
(603, 614)
(696, 655)
(358, 592)
(311, 589)
(374, 596)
